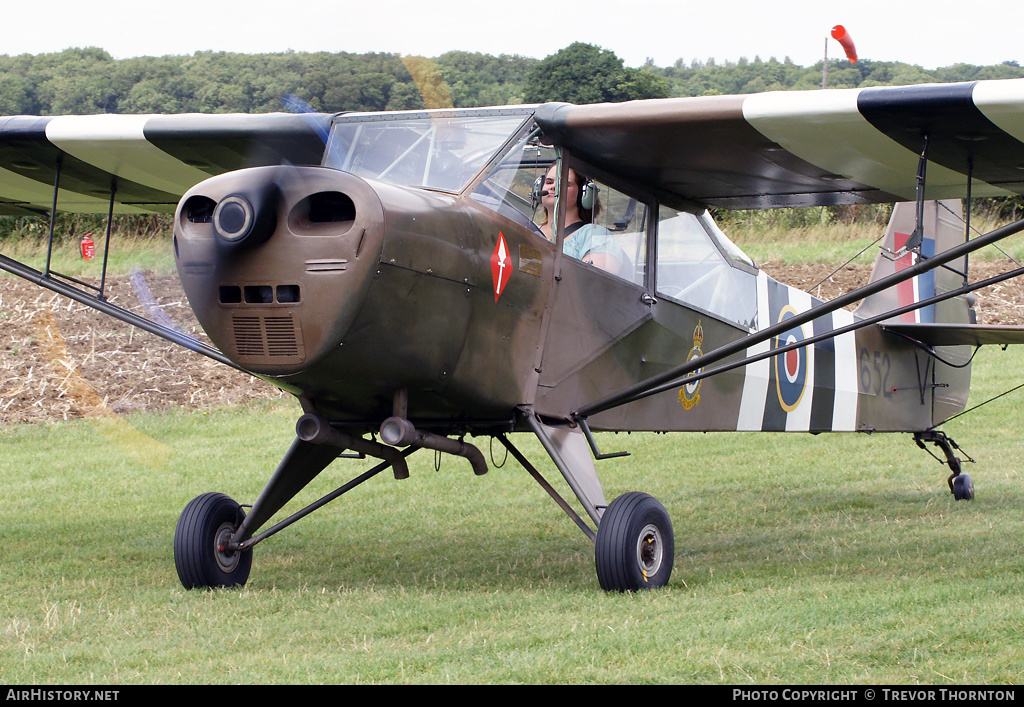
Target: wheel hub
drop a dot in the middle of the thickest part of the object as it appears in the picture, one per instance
(649, 550)
(227, 559)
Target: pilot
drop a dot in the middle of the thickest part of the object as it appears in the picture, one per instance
(584, 239)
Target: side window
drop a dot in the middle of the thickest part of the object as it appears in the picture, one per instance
(619, 229)
(509, 187)
(604, 227)
(699, 266)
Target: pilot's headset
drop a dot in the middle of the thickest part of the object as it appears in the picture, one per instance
(538, 192)
(586, 195)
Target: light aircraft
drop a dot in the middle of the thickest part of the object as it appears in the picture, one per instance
(390, 272)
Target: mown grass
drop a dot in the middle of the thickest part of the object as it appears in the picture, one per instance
(799, 559)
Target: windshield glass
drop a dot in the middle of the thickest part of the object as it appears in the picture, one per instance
(510, 187)
(439, 151)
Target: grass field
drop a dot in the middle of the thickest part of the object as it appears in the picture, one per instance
(767, 241)
(799, 559)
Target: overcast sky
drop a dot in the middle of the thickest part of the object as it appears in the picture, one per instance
(932, 33)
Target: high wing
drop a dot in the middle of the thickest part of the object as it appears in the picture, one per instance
(767, 150)
(150, 160)
(129, 164)
(807, 148)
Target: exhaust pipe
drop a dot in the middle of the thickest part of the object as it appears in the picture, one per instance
(399, 432)
(317, 430)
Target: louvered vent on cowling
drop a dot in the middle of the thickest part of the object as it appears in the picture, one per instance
(267, 338)
(280, 336)
(248, 337)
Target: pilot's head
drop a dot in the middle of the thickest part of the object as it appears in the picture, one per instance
(579, 206)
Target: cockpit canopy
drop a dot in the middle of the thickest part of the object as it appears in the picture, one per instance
(442, 150)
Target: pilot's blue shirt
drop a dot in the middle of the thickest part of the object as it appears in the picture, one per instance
(589, 239)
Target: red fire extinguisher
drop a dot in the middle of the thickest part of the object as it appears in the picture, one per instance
(88, 247)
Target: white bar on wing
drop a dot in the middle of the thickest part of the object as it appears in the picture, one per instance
(117, 144)
(1002, 102)
(826, 129)
(844, 413)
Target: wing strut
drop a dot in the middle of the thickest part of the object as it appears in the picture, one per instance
(671, 378)
(53, 215)
(693, 377)
(106, 248)
(914, 243)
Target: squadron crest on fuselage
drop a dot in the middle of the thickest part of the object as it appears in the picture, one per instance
(689, 394)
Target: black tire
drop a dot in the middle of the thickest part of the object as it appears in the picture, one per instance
(203, 526)
(635, 546)
(963, 487)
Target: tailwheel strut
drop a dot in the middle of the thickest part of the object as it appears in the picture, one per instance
(960, 484)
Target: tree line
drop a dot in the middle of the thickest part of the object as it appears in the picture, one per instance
(89, 80)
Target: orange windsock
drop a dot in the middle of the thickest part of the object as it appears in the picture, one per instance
(840, 34)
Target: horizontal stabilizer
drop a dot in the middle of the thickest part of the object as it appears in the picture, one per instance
(959, 334)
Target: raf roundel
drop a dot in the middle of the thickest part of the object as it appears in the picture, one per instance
(790, 367)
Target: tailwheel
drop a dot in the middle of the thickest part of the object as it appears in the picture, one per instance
(635, 546)
(201, 555)
(961, 486)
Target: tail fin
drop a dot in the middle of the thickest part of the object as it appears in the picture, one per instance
(942, 227)
(939, 374)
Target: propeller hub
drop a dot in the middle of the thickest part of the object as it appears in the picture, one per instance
(233, 218)
(248, 218)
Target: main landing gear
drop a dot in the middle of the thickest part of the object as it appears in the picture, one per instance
(202, 553)
(634, 545)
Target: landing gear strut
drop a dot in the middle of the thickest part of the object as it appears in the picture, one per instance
(634, 546)
(214, 538)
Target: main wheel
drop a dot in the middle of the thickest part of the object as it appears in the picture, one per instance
(635, 546)
(200, 555)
